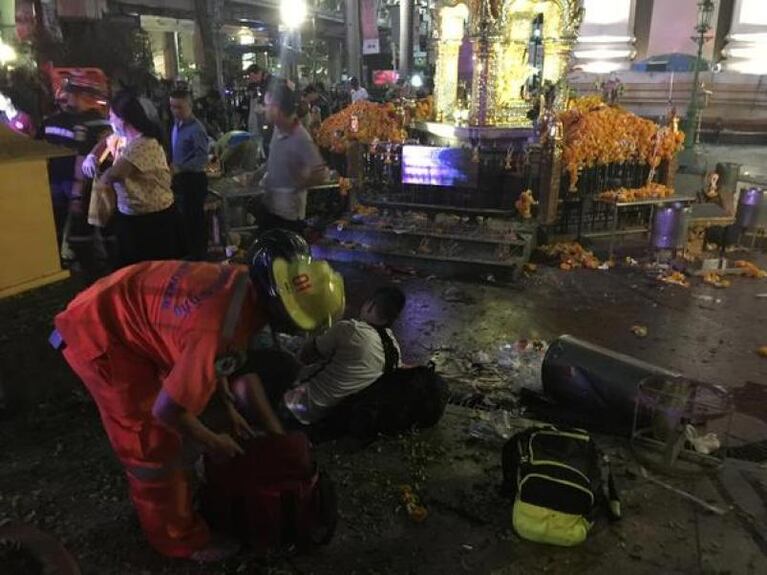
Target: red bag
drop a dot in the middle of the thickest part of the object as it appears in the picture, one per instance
(272, 496)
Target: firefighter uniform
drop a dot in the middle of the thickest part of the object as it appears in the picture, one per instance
(150, 327)
(80, 132)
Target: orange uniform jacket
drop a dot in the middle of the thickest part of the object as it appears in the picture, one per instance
(152, 326)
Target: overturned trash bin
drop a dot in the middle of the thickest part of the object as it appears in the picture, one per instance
(594, 385)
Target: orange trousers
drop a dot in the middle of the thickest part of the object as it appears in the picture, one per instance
(124, 387)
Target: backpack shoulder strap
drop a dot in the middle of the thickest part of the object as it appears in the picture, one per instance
(391, 355)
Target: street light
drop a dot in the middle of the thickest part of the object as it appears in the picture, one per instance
(292, 13)
(705, 12)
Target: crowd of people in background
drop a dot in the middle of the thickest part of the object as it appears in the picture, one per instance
(152, 148)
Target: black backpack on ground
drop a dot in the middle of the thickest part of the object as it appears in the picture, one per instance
(560, 482)
(399, 400)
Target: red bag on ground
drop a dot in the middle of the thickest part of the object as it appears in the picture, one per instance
(272, 496)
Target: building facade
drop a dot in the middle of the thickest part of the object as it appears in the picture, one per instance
(616, 33)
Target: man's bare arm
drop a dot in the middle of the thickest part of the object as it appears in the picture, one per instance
(171, 414)
(252, 399)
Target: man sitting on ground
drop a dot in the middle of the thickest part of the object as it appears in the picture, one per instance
(343, 361)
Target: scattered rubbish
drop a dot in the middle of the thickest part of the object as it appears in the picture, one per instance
(490, 278)
(415, 510)
(703, 297)
(762, 351)
(704, 444)
(481, 358)
(454, 295)
(674, 278)
(631, 261)
(572, 255)
(604, 266)
(524, 360)
(639, 330)
(750, 270)
(531, 268)
(714, 279)
(761, 296)
(657, 266)
(492, 426)
(685, 494)
(467, 547)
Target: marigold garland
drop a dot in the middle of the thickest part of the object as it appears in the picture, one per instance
(652, 191)
(597, 134)
(374, 122)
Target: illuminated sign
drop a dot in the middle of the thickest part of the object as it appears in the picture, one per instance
(430, 166)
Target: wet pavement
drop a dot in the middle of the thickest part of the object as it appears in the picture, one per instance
(57, 472)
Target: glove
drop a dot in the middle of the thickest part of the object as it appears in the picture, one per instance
(90, 166)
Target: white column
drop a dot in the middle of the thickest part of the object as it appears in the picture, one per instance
(606, 39)
(746, 49)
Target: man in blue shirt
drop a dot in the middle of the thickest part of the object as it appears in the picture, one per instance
(189, 155)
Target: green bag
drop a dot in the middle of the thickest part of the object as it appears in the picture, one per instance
(557, 477)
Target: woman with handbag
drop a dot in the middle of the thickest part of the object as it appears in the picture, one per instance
(146, 220)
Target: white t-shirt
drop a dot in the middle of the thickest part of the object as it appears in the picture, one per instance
(353, 359)
(361, 94)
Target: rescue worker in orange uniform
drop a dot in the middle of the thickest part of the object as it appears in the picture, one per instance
(154, 341)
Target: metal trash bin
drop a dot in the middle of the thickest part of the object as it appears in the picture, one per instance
(681, 426)
(751, 206)
(595, 381)
(669, 227)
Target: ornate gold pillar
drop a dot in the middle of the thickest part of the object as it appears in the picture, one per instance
(484, 81)
(446, 79)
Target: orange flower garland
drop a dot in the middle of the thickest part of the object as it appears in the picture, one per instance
(596, 134)
(651, 191)
(375, 122)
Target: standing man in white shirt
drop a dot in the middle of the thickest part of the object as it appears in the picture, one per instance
(294, 163)
(358, 92)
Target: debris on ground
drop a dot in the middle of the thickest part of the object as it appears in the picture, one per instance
(705, 297)
(571, 255)
(714, 279)
(762, 351)
(455, 295)
(631, 262)
(674, 278)
(522, 361)
(492, 426)
(415, 510)
(639, 330)
(705, 444)
(682, 493)
(750, 270)
(530, 268)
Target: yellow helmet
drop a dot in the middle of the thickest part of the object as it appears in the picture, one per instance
(311, 292)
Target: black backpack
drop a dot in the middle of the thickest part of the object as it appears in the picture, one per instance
(560, 481)
(399, 400)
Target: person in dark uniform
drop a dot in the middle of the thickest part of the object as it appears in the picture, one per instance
(79, 127)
